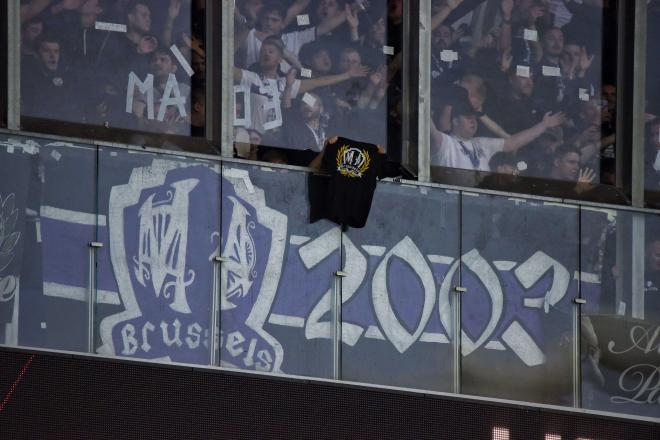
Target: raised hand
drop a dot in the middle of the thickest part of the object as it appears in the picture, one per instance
(535, 13)
(291, 76)
(358, 71)
(174, 9)
(551, 120)
(506, 6)
(585, 60)
(586, 175)
(352, 17)
(507, 59)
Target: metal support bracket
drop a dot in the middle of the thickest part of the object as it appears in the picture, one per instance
(580, 301)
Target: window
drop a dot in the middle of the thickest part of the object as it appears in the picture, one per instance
(524, 96)
(652, 135)
(135, 65)
(5, 62)
(308, 71)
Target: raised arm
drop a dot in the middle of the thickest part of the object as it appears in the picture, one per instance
(32, 9)
(330, 24)
(295, 9)
(524, 137)
(493, 126)
(436, 135)
(444, 12)
(172, 13)
(310, 84)
(506, 8)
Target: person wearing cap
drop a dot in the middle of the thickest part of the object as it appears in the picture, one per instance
(460, 149)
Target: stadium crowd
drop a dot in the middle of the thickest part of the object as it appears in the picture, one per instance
(525, 87)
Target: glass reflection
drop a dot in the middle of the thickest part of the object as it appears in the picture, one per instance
(522, 88)
(308, 71)
(621, 320)
(124, 64)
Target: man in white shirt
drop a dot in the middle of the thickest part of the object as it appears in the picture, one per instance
(460, 149)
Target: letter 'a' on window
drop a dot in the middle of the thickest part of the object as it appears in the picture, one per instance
(306, 74)
(526, 100)
(113, 65)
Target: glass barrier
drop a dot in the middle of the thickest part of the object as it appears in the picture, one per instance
(524, 89)
(159, 223)
(620, 253)
(652, 147)
(278, 280)
(398, 293)
(47, 223)
(136, 65)
(297, 296)
(517, 317)
(308, 71)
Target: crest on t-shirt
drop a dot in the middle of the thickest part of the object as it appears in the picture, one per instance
(352, 161)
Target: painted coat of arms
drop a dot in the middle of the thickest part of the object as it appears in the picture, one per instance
(165, 228)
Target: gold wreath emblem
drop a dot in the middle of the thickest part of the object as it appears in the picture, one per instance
(349, 170)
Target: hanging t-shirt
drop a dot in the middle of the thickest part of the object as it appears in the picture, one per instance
(353, 168)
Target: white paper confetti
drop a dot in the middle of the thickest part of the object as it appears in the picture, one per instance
(309, 99)
(522, 165)
(112, 27)
(303, 20)
(522, 71)
(56, 155)
(530, 35)
(306, 73)
(449, 55)
(583, 94)
(551, 71)
(388, 50)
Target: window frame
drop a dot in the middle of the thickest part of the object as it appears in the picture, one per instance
(4, 60)
(19, 122)
(630, 82)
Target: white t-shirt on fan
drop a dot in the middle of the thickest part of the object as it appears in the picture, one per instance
(470, 154)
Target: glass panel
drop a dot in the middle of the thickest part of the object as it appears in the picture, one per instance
(519, 262)
(398, 293)
(159, 222)
(4, 61)
(652, 150)
(525, 89)
(133, 65)
(46, 224)
(620, 324)
(314, 70)
(277, 285)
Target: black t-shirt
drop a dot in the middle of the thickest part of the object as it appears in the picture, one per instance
(353, 168)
